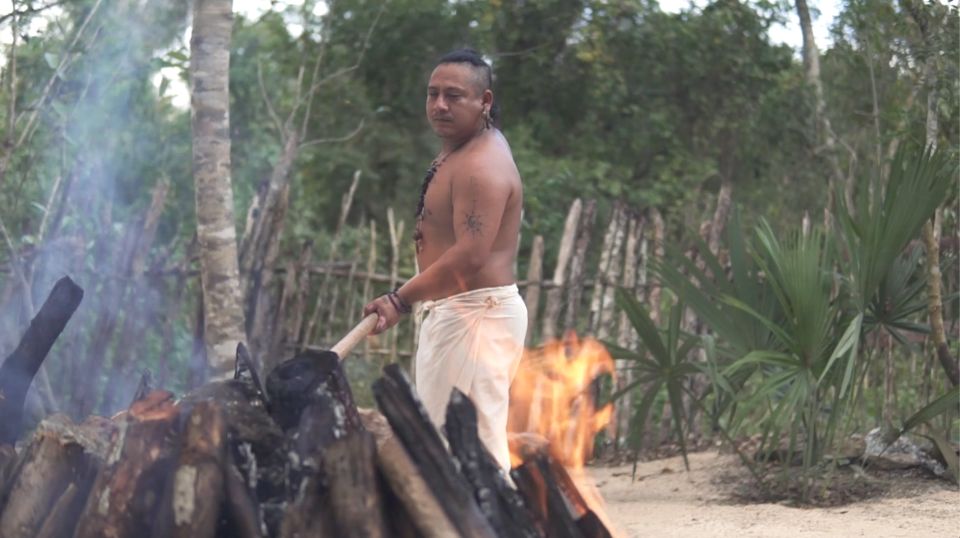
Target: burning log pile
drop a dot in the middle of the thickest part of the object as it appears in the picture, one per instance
(291, 457)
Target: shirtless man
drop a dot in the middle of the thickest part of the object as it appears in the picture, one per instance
(467, 229)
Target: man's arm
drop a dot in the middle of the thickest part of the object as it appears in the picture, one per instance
(479, 201)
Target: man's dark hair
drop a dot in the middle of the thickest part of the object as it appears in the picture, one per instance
(481, 68)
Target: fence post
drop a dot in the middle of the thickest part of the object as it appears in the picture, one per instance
(555, 295)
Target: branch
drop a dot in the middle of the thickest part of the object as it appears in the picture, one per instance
(30, 11)
(57, 73)
(18, 268)
(313, 78)
(266, 99)
(363, 49)
(318, 141)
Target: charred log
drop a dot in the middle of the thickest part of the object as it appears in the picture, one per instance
(537, 485)
(245, 370)
(242, 510)
(49, 465)
(499, 502)
(63, 516)
(258, 446)
(8, 464)
(350, 467)
(124, 496)
(295, 384)
(192, 499)
(407, 489)
(144, 387)
(22, 365)
(404, 411)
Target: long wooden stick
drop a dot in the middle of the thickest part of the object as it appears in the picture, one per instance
(355, 336)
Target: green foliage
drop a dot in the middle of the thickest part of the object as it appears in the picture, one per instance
(792, 331)
(876, 233)
(663, 362)
(947, 404)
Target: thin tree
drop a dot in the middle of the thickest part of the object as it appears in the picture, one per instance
(210, 115)
(931, 230)
(811, 66)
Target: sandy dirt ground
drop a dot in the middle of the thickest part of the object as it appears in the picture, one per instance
(666, 501)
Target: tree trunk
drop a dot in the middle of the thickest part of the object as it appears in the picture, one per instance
(719, 222)
(257, 270)
(298, 310)
(210, 107)
(931, 240)
(811, 64)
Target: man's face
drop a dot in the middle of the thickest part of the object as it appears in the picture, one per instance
(454, 102)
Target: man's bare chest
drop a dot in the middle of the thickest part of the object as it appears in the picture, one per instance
(438, 205)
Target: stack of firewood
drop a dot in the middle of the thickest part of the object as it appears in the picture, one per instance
(291, 457)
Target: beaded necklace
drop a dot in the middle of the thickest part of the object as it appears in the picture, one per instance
(427, 179)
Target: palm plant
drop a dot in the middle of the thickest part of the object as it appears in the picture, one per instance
(663, 362)
(789, 314)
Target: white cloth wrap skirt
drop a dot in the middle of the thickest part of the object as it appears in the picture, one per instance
(473, 341)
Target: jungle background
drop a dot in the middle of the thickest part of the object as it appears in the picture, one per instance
(766, 236)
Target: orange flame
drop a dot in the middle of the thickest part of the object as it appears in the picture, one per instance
(553, 395)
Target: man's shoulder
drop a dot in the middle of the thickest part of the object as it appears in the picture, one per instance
(491, 158)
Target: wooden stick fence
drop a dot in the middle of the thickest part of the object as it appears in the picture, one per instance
(316, 300)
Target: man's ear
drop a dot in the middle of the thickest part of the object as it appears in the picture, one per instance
(487, 98)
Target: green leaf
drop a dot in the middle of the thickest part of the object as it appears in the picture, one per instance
(639, 419)
(178, 56)
(948, 454)
(934, 409)
(770, 325)
(846, 345)
(675, 393)
(640, 320)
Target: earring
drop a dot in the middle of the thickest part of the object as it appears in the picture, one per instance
(487, 120)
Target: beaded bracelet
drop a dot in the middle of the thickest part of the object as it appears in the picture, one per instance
(398, 302)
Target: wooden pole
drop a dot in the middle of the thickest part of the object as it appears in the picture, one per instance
(626, 335)
(606, 307)
(345, 204)
(577, 265)
(554, 296)
(532, 297)
(608, 256)
(367, 283)
(396, 231)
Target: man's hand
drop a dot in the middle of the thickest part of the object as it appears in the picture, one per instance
(385, 310)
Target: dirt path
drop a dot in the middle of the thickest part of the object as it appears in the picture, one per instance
(668, 502)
